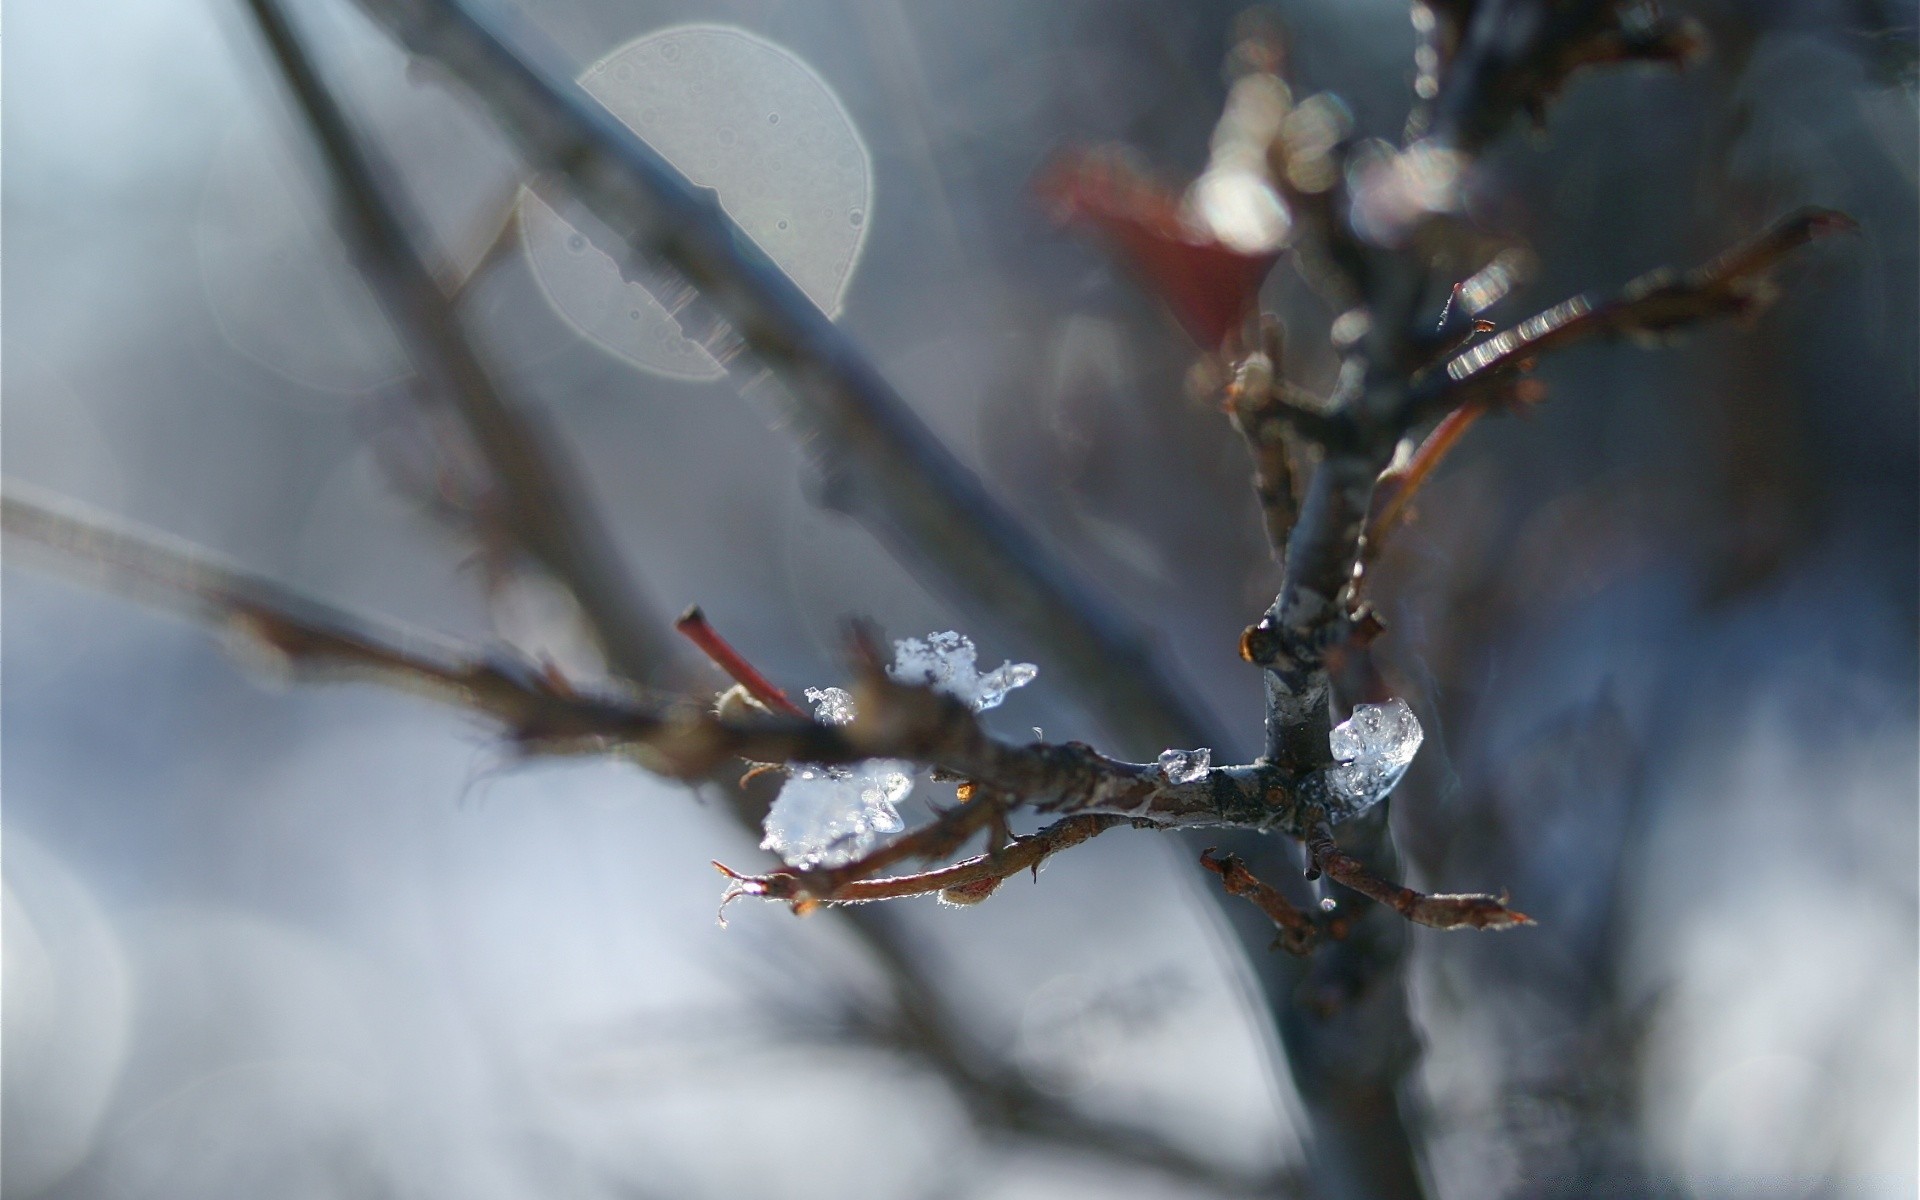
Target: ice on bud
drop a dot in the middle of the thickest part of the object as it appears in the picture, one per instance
(829, 816)
(948, 662)
(1373, 748)
(1185, 766)
(831, 706)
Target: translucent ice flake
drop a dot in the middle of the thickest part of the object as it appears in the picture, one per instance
(948, 662)
(1185, 766)
(829, 816)
(1374, 747)
(833, 706)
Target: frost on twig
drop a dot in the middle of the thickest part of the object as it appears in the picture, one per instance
(1185, 766)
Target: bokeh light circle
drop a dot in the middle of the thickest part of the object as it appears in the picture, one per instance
(746, 118)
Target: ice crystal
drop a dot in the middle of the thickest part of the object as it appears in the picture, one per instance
(1373, 748)
(829, 816)
(1185, 766)
(831, 706)
(948, 662)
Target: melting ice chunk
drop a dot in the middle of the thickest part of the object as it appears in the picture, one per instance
(948, 662)
(829, 816)
(1185, 766)
(1373, 747)
(831, 706)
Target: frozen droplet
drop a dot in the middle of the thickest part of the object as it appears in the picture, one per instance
(1327, 904)
(833, 706)
(1185, 766)
(829, 816)
(995, 684)
(1373, 747)
(948, 662)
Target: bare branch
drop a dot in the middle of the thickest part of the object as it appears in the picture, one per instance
(1299, 932)
(538, 507)
(1496, 59)
(967, 882)
(1467, 911)
(543, 713)
(1492, 375)
(1655, 306)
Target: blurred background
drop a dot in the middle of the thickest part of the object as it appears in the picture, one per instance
(329, 942)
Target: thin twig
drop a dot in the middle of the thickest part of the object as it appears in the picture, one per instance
(969, 881)
(1299, 933)
(694, 626)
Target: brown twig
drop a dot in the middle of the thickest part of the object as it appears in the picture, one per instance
(969, 881)
(1464, 911)
(1299, 933)
(694, 626)
(1656, 306)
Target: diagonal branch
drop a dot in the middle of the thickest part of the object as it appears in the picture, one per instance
(1656, 306)
(882, 465)
(1299, 933)
(538, 507)
(1493, 374)
(1467, 911)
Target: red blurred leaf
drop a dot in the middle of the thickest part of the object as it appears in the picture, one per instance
(1210, 287)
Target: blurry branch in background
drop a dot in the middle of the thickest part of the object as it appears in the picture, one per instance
(530, 503)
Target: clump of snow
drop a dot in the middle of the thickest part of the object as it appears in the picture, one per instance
(948, 662)
(1185, 766)
(831, 706)
(1373, 747)
(829, 816)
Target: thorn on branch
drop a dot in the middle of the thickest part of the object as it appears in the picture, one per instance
(1657, 305)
